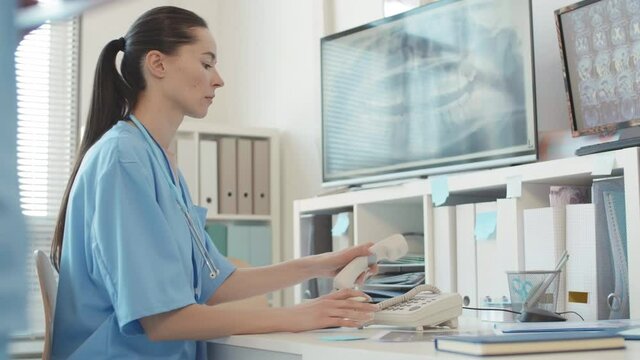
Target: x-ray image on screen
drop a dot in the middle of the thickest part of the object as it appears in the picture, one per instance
(448, 84)
(601, 43)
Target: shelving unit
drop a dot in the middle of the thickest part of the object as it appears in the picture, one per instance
(380, 212)
(198, 130)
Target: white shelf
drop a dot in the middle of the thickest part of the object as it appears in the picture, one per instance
(376, 209)
(574, 170)
(207, 127)
(201, 129)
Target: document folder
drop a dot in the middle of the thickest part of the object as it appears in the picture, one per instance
(218, 234)
(466, 255)
(245, 177)
(227, 175)
(584, 284)
(186, 155)
(444, 233)
(260, 245)
(209, 175)
(261, 174)
(492, 283)
(239, 242)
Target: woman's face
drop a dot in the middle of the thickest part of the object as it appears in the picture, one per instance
(191, 77)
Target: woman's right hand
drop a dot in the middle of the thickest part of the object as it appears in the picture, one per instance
(332, 310)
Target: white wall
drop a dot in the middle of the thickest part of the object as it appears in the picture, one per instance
(346, 14)
(553, 113)
(269, 57)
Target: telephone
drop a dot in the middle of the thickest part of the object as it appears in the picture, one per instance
(421, 307)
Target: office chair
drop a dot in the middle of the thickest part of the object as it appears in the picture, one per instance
(49, 289)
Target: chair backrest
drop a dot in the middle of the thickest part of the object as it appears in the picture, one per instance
(49, 289)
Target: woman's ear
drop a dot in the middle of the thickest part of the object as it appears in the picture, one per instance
(154, 62)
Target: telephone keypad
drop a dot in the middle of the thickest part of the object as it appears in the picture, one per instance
(415, 303)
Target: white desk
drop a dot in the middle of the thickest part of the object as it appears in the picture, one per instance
(309, 346)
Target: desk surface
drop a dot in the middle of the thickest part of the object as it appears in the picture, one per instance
(310, 346)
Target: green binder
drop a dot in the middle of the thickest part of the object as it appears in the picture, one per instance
(218, 234)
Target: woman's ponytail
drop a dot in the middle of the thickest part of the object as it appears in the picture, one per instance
(109, 104)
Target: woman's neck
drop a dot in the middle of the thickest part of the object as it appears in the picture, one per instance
(161, 121)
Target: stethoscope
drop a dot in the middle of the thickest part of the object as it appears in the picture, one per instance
(195, 234)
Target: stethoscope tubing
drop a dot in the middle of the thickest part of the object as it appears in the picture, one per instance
(213, 270)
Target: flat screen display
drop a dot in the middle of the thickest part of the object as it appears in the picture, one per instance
(445, 87)
(600, 46)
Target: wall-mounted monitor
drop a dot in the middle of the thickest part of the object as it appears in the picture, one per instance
(445, 87)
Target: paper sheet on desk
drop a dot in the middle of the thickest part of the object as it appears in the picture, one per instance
(342, 338)
(427, 335)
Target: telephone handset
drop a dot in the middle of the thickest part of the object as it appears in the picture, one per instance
(420, 307)
(391, 248)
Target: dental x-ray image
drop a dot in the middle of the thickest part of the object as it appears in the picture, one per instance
(450, 83)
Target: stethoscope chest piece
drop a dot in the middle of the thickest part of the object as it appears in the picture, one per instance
(214, 274)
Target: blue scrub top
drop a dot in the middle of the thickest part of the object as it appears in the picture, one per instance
(128, 254)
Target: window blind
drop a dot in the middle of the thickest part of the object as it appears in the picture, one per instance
(47, 89)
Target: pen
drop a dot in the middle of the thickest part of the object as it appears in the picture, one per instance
(540, 290)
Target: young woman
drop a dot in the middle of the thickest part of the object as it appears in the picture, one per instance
(139, 278)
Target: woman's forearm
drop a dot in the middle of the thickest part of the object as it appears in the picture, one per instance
(201, 322)
(247, 282)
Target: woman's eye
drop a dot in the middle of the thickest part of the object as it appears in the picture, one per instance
(206, 66)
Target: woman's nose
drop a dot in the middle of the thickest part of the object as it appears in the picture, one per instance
(217, 80)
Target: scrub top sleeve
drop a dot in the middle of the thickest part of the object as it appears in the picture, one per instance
(209, 286)
(145, 268)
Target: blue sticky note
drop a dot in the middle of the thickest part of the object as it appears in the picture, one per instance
(342, 224)
(343, 338)
(486, 225)
(439, 189)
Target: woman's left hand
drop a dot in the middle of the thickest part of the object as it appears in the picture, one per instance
(329, 264)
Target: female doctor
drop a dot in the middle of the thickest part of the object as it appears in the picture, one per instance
(139, 278)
